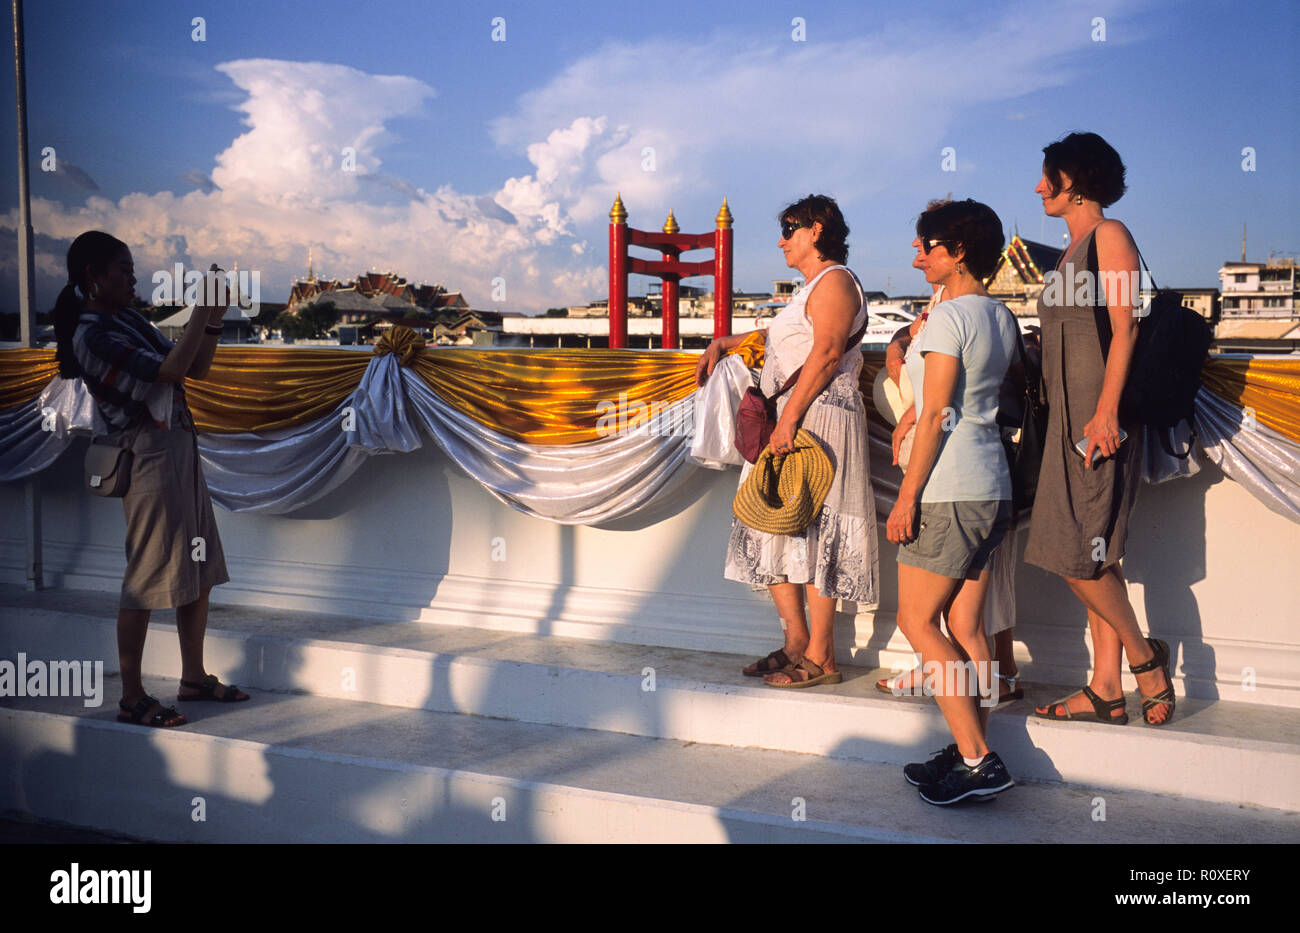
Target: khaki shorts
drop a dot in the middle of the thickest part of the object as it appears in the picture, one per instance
(173, 551)
(957, 539)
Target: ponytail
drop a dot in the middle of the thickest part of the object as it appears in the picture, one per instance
(67, 311)
(95, 249)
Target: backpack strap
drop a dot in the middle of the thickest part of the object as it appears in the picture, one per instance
(1101, 312)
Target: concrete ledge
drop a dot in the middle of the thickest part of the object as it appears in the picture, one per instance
(306, 769)
(1225, 752)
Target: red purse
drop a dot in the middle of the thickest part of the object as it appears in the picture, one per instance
(756, 416)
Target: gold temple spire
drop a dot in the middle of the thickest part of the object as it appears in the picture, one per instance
(670, 225)
(618, 213)
(724, 218)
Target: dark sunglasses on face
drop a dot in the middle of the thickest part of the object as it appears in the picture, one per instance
(788, 227)
(928, 244)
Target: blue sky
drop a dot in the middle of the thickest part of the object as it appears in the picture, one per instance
(479, 159)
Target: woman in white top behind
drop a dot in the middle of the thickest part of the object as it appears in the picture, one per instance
(836, 556)
(954, 504)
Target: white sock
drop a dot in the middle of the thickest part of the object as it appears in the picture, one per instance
(971, 762)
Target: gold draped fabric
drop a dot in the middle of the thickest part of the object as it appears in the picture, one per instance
(1271, 387)
(24, 372)
(402, 342)
(553, 396)
(534, 396)
(265, 388)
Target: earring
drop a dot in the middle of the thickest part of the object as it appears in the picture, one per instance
(1078, 199)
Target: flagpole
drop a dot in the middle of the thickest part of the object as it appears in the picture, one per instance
(26, 299)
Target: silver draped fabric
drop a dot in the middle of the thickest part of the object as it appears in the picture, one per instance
(575, 484)
(1265, 462)
(593, 483)
(34, 435)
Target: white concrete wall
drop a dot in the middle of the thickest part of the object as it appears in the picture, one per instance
(411, 537)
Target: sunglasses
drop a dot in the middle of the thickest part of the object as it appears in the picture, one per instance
(928, 244)
(788, 227)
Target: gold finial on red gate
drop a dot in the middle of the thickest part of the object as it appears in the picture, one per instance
(670, 225)
(724, 218)
(618, 213)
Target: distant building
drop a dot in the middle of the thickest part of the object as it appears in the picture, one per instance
(236, 325)
(375, 293)
(1017, 279)
(1260, 307)
(1262, 335)
(376, 301)
(1204, 301)
(1260, 289)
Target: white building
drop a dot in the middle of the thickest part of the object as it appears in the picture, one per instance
(1260, 289)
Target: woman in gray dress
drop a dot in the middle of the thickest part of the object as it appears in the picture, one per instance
(136, 377)
(1081, 511)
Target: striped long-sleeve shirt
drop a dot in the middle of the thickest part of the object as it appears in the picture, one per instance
(120, 355)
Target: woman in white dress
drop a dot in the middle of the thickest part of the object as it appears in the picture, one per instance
(836, 556)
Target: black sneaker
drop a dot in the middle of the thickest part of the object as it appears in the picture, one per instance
(989, 777)
(936, 769)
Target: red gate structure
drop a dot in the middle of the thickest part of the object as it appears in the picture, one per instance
(670, 269)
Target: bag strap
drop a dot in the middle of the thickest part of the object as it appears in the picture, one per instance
(853, 341)
(1104, 330)
(1034, 386)
(134, 432)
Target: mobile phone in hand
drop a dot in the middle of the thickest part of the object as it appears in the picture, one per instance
(1081, 447)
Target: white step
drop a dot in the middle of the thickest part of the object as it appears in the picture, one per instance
(1233, 753)
(296, 768)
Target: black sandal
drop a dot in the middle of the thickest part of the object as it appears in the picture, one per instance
(207, 688)
(1166, 696)
(1101, 709)
(166, 718)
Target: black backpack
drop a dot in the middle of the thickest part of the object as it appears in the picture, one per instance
(1172, 344)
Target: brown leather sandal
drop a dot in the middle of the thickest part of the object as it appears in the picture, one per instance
(778, 660)
(805, 674)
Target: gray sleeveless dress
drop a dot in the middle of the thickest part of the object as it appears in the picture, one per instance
(1079, 524)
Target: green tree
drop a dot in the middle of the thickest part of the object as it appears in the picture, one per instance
(557, 312)
(312, 322)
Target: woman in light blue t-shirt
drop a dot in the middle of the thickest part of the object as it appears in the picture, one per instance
(954, 504)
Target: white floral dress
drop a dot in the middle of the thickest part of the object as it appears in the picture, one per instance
(838, 551)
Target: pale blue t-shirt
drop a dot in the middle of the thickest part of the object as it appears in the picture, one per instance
(981, 333)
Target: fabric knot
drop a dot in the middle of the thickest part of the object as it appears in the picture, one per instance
(402, 341)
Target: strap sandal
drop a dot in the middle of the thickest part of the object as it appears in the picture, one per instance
(890, 685)
(778, 660)
(1166, 696)
(1014, 693)
(1102, 709)
(805, 674)
(207, 688)
(166, 718)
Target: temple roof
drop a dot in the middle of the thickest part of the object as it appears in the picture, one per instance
(1028, 259)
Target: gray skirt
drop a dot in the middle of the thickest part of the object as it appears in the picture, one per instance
(173, 550)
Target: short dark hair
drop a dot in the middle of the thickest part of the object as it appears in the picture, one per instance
(818, 208)
(1094, 167)
(968, 225)
(93, 248)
